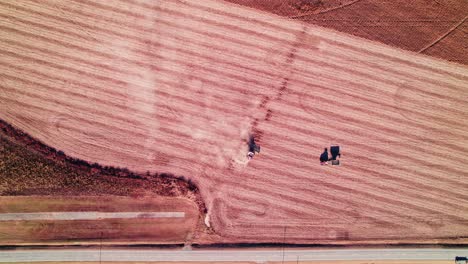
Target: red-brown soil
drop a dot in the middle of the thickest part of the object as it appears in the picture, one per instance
(412, 25)
(178, 86)
(139, 230)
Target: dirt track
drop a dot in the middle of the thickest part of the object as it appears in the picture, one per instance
(178, 86)
(40, 225)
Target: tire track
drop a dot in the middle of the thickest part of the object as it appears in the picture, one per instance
(326, 10)
(453, 28)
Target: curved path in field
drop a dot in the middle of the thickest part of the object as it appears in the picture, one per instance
(178, 86)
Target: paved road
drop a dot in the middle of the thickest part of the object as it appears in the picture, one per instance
(230, 255)
(85, 215)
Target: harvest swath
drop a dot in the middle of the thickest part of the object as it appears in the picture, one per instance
(178, 86)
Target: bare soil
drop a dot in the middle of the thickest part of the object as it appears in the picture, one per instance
(410, 25)
(155, 231)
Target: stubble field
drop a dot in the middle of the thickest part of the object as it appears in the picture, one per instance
(435, 28)
(178, 86)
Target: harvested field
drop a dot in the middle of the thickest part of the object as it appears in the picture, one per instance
(178, 86)
(162, 230)
(436, 28)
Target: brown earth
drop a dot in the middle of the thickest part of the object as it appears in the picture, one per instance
(435, 28)
(178, 86)
(138, 230)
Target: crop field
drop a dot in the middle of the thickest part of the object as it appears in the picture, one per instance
(177, 86)
(166, 229)
(436, 28)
